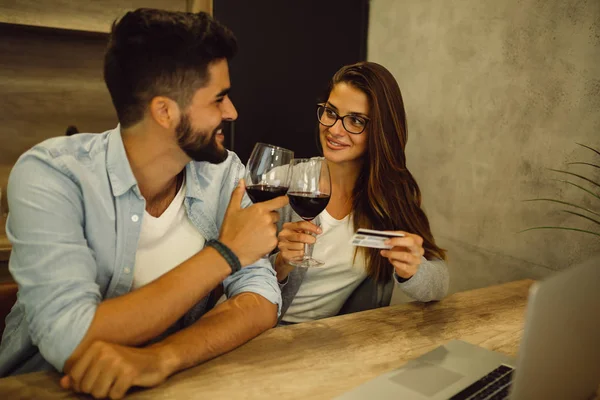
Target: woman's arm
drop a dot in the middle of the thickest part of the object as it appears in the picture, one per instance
(429, 283)
(419, 278)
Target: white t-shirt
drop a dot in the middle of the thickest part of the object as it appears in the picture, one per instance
(325, 289)
(165, 242)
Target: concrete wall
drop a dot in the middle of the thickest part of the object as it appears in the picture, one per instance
(497, 92)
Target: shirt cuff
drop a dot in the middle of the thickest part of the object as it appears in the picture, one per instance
(399, 279)
(60, 342)
(258, 278)
(283, 282)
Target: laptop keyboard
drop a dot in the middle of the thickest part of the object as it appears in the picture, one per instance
(493, 386)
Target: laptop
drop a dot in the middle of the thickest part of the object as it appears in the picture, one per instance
(559, 353)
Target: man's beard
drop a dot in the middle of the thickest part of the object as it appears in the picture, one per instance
(198, 145)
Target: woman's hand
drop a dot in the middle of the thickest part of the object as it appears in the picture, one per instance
(293, 237)
(291, 241)
(406, 254)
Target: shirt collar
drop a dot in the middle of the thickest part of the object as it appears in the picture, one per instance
(117, 164)
(122, 178)
(193, 188)
(198, 175)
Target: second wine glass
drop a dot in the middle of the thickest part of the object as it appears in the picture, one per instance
(309, 193)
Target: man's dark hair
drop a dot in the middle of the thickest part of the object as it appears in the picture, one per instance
(71, 130)
(161, 53)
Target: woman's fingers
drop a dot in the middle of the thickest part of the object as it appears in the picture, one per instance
(414, 243)
(405, 263)
(401, 255)
(291, 246)
(296, 236)
(303, 226)
(404, 270)
(302, 238)
(293, 255)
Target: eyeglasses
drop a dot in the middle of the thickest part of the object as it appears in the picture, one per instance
(352, 123)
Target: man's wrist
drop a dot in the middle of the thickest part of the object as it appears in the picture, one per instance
(243, 260)
(228, 254)
(169, 362)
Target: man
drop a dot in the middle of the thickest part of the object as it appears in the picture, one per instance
(114, 235)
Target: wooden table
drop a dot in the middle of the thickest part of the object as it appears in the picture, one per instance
(322, 359)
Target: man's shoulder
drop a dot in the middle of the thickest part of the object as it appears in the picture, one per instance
(82, 146)
(78, 157)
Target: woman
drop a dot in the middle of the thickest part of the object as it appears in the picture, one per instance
(362, 133)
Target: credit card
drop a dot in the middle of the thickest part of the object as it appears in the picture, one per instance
(372, 238)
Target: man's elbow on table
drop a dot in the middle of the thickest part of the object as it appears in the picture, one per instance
(270, 313)
(257, 309)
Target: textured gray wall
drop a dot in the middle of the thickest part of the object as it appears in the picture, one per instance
(497, 92)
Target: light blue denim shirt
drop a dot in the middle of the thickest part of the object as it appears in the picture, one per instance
(75, 217)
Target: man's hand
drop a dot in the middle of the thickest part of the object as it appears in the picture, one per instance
(109, 370)
(250, 232)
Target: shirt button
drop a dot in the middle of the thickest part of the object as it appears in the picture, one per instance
(127, 270)
(135, 218)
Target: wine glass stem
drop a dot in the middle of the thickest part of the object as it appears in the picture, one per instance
(308, 250)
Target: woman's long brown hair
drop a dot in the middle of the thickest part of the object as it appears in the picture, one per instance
(386, 196)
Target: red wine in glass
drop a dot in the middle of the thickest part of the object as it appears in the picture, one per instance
(309, 192)
(260, 193)
(308, 205)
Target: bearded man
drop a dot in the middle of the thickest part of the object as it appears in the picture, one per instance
(123, 241)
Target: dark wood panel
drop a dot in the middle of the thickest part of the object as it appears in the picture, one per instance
(49, 79)
(4, 273)
(96, 16)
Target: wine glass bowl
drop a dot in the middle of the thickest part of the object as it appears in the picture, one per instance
(268, 172)
(309, 192)
(308, 205)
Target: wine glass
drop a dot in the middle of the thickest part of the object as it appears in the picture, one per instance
(268, 172)
(309, 192)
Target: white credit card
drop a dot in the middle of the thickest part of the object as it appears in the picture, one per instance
(372, 238)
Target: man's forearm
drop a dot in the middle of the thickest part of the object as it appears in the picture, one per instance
(227, 326)
(145, 313)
